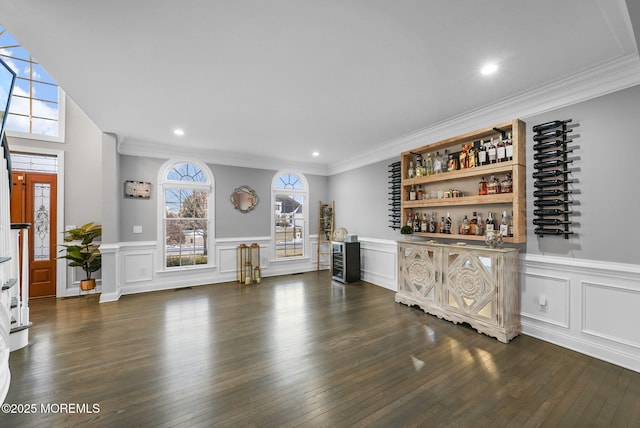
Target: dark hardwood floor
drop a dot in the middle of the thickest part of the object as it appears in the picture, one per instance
(298, 350)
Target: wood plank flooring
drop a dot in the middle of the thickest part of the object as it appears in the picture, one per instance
(298, 350)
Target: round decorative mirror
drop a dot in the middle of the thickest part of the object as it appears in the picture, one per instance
(244, 199)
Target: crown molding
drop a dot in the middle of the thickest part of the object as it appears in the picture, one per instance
(612, 76)
(216, 157)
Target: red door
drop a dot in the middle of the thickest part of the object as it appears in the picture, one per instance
(33, 201)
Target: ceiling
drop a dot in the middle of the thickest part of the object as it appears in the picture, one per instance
(267, 82)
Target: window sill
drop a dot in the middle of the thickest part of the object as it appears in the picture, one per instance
(198, 268)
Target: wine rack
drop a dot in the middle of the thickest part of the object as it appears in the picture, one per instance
(552, 179)
(395, 195)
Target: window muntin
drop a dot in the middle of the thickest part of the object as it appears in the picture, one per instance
(186, 197)
(35, 103)
(290, 215)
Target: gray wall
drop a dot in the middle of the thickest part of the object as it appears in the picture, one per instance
(229, 222)
(608, 175)
(361, 197)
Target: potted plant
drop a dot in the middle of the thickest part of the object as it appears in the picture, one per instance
(406, 231)
(83, 252)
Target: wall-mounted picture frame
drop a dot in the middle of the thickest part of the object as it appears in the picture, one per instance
(137, 189)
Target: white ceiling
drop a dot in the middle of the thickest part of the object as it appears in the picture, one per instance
(267, 82)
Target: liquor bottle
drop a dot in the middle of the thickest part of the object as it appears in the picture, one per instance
(479, 225)
(464, 226)
(420, 193)
(508, 146)
(424, 224)
(482, 154)
(489, 225)
(416, 223)
(411, 172)
(549, 125)
(445, 161)
(492, 153)
(419, 165)
(441, 225)
(433, 224)
(506, 186)
(437, 164)
(451, 164)
(501, 151)
(546, 135)
(412, 193)
(504, 225)
(510, 229)
(447, 224)
(472, 156)
(482, 187)
(473, 223)
(462, 158)
(493, 186)
(428, 165)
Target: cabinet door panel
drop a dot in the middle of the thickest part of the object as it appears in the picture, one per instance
(419, 272)
(469, 284)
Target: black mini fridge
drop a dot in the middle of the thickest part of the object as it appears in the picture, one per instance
(345, 261)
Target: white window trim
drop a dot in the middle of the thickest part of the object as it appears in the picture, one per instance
(209, 185)
(62, 110)
(306, 248)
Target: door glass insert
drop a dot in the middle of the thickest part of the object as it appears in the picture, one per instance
(42, 221)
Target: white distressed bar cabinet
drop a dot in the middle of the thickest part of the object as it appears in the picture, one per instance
(462, 283)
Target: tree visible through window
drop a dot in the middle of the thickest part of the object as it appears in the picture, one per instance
(186, 199)
(35, 107)
(289, 195)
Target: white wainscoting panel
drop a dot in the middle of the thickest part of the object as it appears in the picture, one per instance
(138, 266)
(378, 262)
(554, 292)
(606, 311)
(592, 306)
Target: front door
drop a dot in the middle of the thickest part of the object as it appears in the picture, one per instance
(33, 201)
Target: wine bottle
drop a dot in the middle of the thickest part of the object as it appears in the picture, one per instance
(542, 231)
(551, 183)
(549, 125)
(412, 193)
(550, 154)
(547, 135)
(550, 202)
(549, 144)
(447, 224)
(549, 174)
(551, 164)
(552, 192)
(551, 212)
(501, 151)
(549, 221)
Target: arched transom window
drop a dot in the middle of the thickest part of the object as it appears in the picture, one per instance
(187, 202)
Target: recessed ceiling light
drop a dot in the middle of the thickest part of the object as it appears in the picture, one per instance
(178, 131)
(315, 154)
(489, 68)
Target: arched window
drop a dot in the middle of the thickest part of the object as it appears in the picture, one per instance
(290, 196)
(187, 205)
